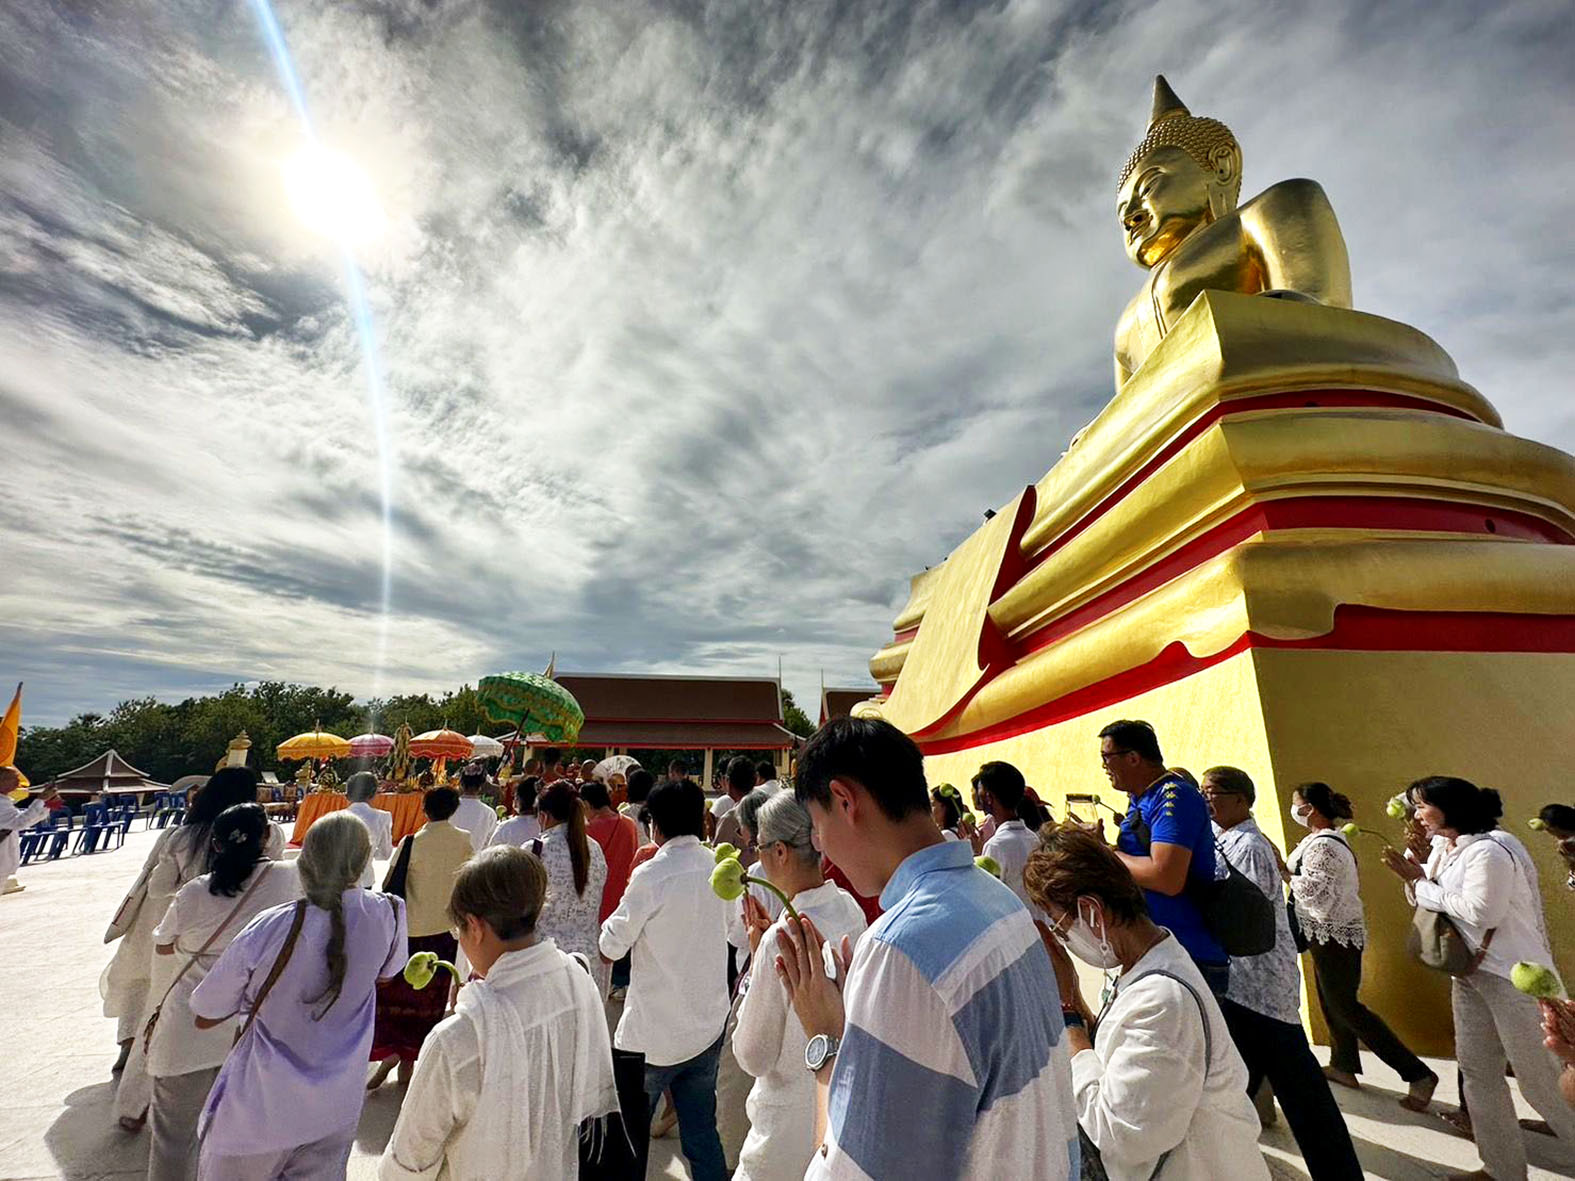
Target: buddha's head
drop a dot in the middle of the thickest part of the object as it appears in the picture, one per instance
(1184, 175)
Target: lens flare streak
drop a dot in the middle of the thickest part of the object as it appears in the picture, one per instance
(361, 318)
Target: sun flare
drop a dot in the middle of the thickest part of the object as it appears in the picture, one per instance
(332, 195)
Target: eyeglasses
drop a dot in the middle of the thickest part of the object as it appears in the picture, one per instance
(1107, 755)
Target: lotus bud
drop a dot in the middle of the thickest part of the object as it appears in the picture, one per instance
(1396, 808)
(1350, 830)
(422, 966)
(724, 851)
(727, 879)
(1537, 824)
(989, 864)
(1536, 980)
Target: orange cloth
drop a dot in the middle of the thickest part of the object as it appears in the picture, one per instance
(643, 854)
(619, 839)
(405, 807)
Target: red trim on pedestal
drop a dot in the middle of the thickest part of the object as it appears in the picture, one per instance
(1300, 399)
(1356, 629)
(1308, 512)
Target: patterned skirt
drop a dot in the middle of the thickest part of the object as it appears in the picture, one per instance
(406, 1015)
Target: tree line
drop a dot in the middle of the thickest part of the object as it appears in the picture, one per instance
(166, 741)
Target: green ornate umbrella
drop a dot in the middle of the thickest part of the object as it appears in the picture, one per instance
(534, 703)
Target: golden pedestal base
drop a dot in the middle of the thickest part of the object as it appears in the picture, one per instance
(1296, 543)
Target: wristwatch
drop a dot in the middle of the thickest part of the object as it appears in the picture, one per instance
(1072, 1019)
(822, 1048)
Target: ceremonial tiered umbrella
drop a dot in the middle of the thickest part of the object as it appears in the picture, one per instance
(533, 704)
(316, 743)
(440, 746)
(483, 747)
(370, 746)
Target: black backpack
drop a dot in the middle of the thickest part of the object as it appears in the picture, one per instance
(1238, 914)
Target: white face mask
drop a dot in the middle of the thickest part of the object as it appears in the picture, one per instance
(1302, 813)
(1093, 949)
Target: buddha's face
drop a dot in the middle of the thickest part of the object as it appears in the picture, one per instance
(1167, 197)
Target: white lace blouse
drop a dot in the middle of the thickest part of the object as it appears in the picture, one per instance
(568, 918)
(1327, 892)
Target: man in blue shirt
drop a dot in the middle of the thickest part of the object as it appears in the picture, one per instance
(1166, 840)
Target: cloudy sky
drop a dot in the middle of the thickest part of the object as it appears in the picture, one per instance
(703, 325)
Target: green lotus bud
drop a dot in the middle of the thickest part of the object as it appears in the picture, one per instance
(1396, 808)
(968, 818)
(1536, 980)
(724, 851)
(422, 966)
(1537, 823)
(989, 864)
(727, 879)
(1350, 830)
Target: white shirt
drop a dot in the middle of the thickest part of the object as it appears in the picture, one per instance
(1143, 1090)
(1327, 891)
(476, 817)
(517, 830)
(16, 819)
(1269, 984)
(568, 918)
(770, 787)
(527, 1049)
(632, 811)
(1010, 846)
(769, 1042)
(1488, 882)
(178, 1046)
(722, 805)
(675, 926)
(381, 825)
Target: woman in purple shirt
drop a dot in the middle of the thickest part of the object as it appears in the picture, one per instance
(288, 1098)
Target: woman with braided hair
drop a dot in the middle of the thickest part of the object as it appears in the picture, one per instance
(288, 1098)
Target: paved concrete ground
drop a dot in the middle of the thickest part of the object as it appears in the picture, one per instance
(57, 1086)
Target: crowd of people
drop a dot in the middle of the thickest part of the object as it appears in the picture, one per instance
(874, 1005)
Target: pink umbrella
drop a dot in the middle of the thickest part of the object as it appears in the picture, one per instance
(370, 746)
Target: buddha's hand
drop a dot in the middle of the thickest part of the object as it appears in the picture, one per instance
(815, 996)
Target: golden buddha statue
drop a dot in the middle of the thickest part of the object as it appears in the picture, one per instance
(1177, 203)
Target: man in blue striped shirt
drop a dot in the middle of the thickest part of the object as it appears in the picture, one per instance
(938, 1050)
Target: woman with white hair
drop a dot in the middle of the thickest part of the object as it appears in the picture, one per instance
(769, 1041)
(288, 1098)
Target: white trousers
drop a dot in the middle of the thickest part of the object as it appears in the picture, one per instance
(1496, 1023)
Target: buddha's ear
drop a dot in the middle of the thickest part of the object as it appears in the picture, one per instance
(1225, 162)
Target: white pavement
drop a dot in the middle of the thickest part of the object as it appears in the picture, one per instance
(57, 1086)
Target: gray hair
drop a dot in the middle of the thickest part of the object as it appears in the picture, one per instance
(748, 809)
(783, 818)
(362, 786)
(334, 853)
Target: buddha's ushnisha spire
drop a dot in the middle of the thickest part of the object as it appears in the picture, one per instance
(1166, 103)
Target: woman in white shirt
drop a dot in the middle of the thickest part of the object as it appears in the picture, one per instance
(206, 914)
(502, 1086)
(946, 809)
(1162, 1092)
(1328, 905)
(1486, 882)
(769, 1041)
(576, 875)
(523, 827)
(178, 855)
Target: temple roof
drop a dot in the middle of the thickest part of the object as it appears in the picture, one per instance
(679, 713)
(109, 772)
(839, 703)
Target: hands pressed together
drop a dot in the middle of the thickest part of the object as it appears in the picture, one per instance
(801, 963)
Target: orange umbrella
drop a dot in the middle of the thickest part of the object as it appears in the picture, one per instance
(441, 744)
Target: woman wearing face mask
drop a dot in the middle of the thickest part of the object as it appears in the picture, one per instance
(1163, 1092)
(769, 1041)
(1328, 904)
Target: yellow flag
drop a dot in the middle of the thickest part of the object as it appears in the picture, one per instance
(10, 731)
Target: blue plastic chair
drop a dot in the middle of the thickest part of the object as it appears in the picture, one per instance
(95, 824)
(60, 835)
(33, 840)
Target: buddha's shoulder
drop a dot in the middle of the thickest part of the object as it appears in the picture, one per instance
(1294, 198)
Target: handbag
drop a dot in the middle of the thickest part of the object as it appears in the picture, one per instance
(131, 905)
(1237, 913)
(1092, 1164)
(1435, 942)
(399, 870)
(153, 1017)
